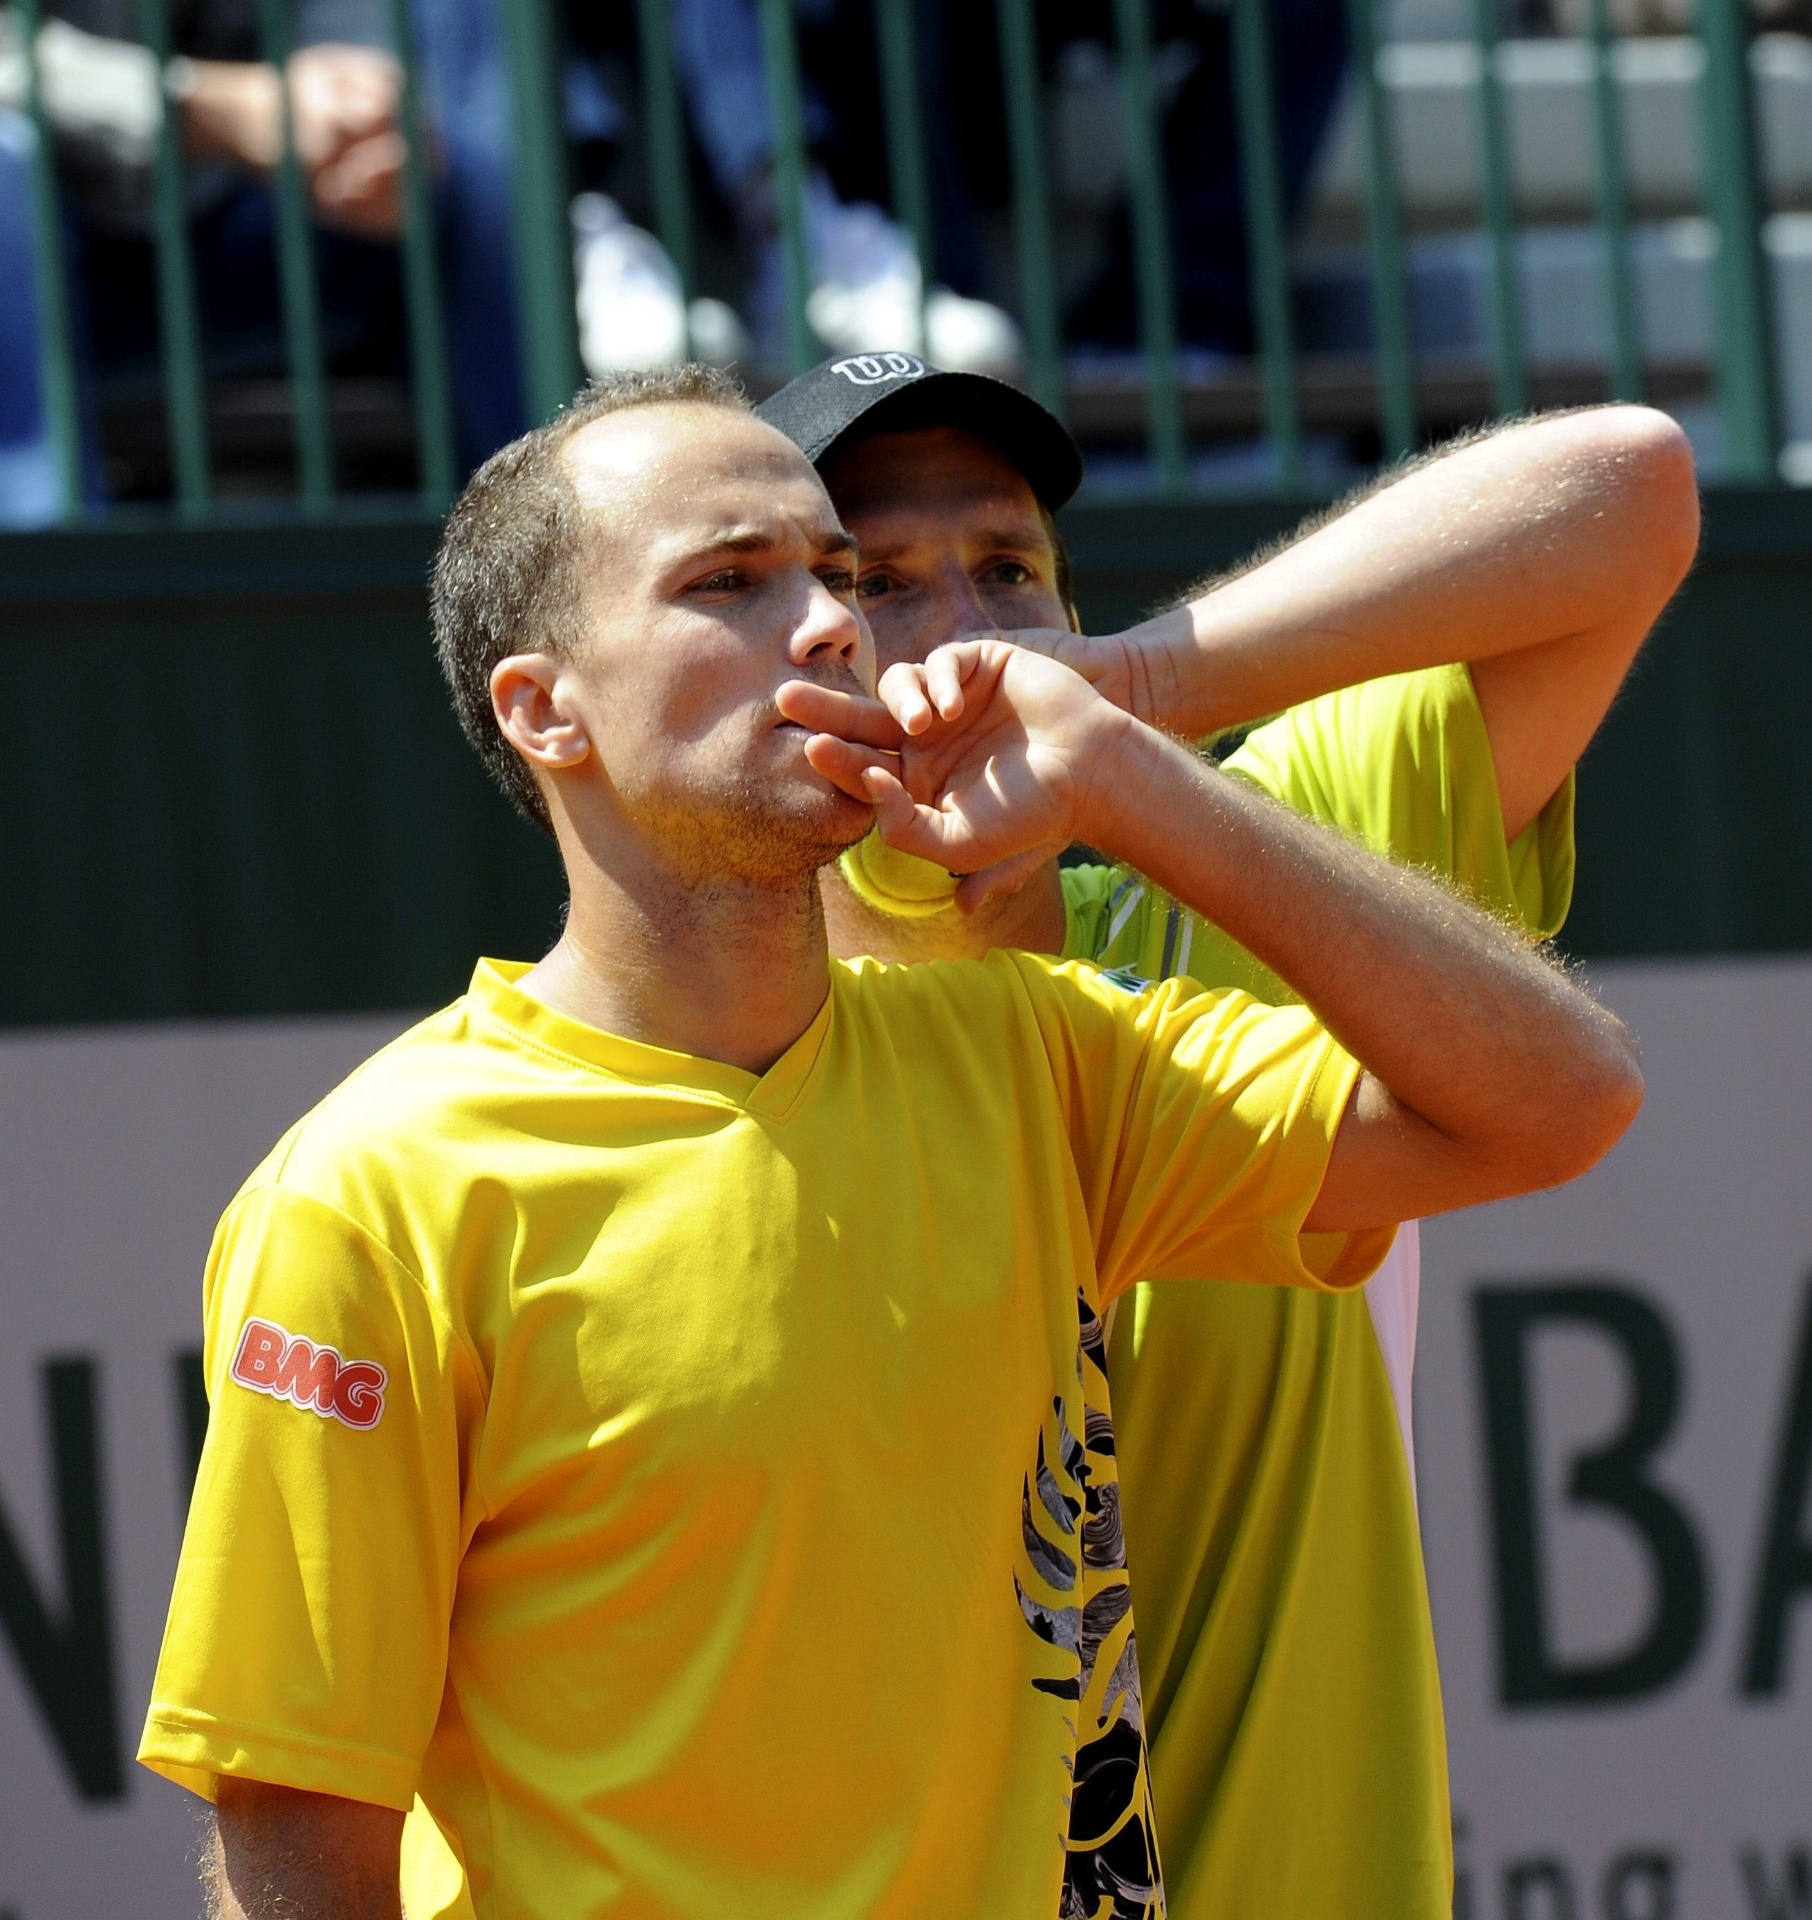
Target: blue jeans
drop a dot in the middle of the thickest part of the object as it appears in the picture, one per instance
(467, 103)
(1201, 155)
(29, 484)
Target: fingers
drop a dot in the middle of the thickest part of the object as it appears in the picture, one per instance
(940, 688)
(844, 764)
(1056, 643)
(945, 673)
(358, 192)
(849, 716)
(902, 688)
(903, 824)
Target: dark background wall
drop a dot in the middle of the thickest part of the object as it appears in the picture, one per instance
(231, 782)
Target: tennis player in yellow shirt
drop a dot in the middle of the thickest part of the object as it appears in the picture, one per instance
(1440, 651)
(658, 1438)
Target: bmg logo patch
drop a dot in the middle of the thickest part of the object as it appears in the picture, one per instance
(320, 1380)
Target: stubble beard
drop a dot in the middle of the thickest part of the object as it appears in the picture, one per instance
(743, 834)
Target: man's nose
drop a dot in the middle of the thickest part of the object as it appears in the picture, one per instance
(829, 631)
(957, 608)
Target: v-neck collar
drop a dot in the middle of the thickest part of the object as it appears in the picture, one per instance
(496, 993)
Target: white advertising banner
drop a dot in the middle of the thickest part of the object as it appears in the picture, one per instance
(1614, 1436)
(122, 1146)
(1614, 1419)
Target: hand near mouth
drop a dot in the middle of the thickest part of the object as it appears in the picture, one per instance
(1002, 755)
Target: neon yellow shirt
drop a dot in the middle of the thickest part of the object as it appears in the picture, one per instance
(694, 1487)
(1293, 1704)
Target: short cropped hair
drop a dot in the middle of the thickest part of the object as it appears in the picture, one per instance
(507, 575)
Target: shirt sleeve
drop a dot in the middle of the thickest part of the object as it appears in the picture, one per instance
(307, 1637)
(1404, 764)
(1201, 1124)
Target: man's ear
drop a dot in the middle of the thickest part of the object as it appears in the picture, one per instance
(532, 714)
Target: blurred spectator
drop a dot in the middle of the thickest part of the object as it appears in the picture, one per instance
(104, 97)
(867, 289)
(1193, 70)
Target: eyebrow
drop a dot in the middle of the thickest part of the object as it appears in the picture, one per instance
(826, 545)
(1029, 538)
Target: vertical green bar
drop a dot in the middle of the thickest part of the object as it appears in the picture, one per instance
(55, 354)
(1139, 120)
(421, 287)
(547, 310)
(1614, 212)
(185, 392)
(296, 277)
(1031, 200)
(1267, 249)
(1745, 370)
(906, 170)
(666, 140)
(780, 59)
(1384, 233)
(1500, 218)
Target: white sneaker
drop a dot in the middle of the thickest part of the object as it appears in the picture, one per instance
(866, 290)
(718, 334)
(972, 336)
(632, 311)
(868, 297)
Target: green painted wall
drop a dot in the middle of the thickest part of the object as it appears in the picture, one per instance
(232, 784)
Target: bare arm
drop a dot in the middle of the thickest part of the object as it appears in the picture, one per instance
(344, 101)
(1541, 554)
(1488, 1072)
(277, 1854)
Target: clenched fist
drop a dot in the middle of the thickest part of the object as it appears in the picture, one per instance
(987, 759)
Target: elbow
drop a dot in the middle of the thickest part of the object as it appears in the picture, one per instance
(1592, 1108)
(1650, 459)
(1610, 1107)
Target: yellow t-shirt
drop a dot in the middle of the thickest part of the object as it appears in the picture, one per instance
(690, 1491)
(1293, 1704)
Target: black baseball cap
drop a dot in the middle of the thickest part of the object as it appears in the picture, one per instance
(843, 401)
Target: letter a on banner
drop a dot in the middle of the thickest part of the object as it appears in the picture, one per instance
(1785, 1576)
(1614, 1478)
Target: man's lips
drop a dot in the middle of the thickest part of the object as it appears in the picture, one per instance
(783, 725)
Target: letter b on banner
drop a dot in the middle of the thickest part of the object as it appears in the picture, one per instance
(1613, 1478)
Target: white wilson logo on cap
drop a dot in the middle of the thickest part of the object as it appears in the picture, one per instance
(875, 369)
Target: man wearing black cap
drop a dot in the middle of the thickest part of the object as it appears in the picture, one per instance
(1440, 651)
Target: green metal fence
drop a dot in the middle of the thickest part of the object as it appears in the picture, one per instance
(551, 369)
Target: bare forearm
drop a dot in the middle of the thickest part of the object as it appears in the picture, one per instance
(1489, 1073)
(230, 111)
(1522, 1076)
(1576, 528)
(271, 1853)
